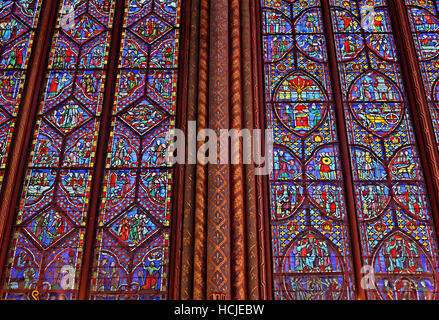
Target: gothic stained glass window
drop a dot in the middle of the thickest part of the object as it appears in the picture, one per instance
(131, 259)
(396, 228)
(311, 245)
(312, 249)
(46, 248)
(18, 20)
(424, 21)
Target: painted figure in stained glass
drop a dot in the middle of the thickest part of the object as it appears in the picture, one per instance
(149, 274)
(404, 270)
(48, 227)
(278, 47)
(156, 153)
(90, 83)
(13, 57)
(94, 58)
(285, 166)
(61, 273)
(380, 114)
(120, 185)
(323, 165)
(110, 276)
(345, 22)
(326, 166)
(287, 198)
(410, 197)
(58, 82)
(300, 117)
(350, 46)
(401, 256)
(314, 287)
(24, 271)
(368, 166)
(374, 198)
(63, 56)
(156, 183)
(162, 84)
(129, 80)
(310, 254)
(164, 56)
(10, 28)
(80, 153)
(68, 116)
(381, 45)
(9, 84)
(104, 5)
(40, 182)
(84, 28)
(143, 116)
(325, 195)
(374, 87)
(134, 56)
(424, 21)
(133, 227)
(46, 154)
(74, 182)
(308, 22)
(123, 152)
(151, 28)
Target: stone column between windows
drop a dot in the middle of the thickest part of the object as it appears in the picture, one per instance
(216, 101)
(218, 260)
(200, 214)
(237, 198)
(262, 181)
(183, 207)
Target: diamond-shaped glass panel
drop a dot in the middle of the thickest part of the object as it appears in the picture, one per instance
(49, 227)
(10, 28)
(143, 116)
(151, 28)
(83, 29)
(68, 116)
(133, 227)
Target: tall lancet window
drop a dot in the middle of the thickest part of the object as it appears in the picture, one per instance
(311, 245)
(311, 241)
(51, 230)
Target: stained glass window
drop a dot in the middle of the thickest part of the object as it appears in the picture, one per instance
(46, 249)
(133, 234)
(131, 259)
(424, 21)
(18, 21)
(311, 245)
(323, 102)
(396, 227)
(311, 254)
